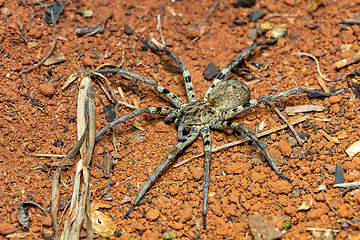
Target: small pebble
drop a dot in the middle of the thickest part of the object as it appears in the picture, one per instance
(152, 215)
(47, 221)
(88, 61)
(128, 31)
(47, 90)
(186, 214)
(244, 3)
(174, 190)
(279, 225)
(256, 15)
(334, 99)
(178, 226)
(196, 173)
(6, 228)
(211, 71)
(346, 211)
(31, 146)
(284, 147)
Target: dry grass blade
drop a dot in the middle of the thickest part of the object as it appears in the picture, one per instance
(86, 130)
(55, 196)
(81, 201)
(292, 129)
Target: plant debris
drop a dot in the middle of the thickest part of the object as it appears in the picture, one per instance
(23, 216)
(50, 51)
(328, 137)
(353, 149)
(339, 174)
(347, 61)
(102, 224)
(56, 9)
(58, 58)
(92, 30)
(353, 79)
(303, 108)
(313, 5)
(260, 229)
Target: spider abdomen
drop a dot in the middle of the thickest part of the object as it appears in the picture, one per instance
(229, 94)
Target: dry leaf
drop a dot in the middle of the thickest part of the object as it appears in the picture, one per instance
(277, 31)
(32, 44)
(266, 26)
(54, 59)
(138, 126)
(312, 5)
(135, 101)
(303, 108)
(353, 149)
(328, 137)
(262, 125)
(102, 224)
(304, 206)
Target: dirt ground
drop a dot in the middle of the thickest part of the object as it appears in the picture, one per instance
(38, 117)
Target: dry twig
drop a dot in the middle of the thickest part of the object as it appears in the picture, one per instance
(160, 31)
(347, 61)
(350, 21)
(292, 129)
(348, 185)
(51, 50)
(235, 143)
(201, 27)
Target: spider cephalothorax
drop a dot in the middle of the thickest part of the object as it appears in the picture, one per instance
(228, 94)
(224, 100)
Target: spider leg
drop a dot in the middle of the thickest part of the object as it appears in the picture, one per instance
(254, 102)
(236, 61)
(180, 131)
(175, 100)
(238, 127)
(137, 112)
(207, 152)
(163, 166)
(190, 93)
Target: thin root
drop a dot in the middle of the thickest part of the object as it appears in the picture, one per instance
(318, 67)
(51, 50)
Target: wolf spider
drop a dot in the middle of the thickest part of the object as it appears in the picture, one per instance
(224, 100)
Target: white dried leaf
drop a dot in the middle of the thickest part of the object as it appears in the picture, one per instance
(303, 108)
(353, 149)
(262, 125)
(304, 206)
(102, 224)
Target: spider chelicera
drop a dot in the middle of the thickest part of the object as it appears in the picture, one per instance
(224, 100)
